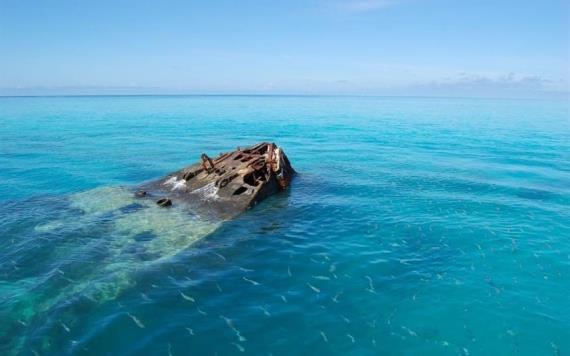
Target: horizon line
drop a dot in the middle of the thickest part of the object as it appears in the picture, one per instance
(3, 96)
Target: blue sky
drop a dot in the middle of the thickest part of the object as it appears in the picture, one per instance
(498, 48)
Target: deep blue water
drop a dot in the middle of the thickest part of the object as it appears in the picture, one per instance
(416, 226)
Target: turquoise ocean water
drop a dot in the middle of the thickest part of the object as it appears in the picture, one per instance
(415, 226)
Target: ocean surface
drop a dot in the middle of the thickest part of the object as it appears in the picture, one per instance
(416, 226)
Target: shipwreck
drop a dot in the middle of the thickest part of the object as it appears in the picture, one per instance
(227, 185)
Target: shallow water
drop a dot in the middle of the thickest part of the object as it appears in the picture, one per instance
(416, 226)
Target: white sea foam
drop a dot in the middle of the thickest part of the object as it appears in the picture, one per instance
(175, 183)
(170, 181)
(207, 192)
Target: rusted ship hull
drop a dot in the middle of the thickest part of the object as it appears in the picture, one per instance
(227, 185)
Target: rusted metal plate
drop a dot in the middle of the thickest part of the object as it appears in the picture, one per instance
(227, 185)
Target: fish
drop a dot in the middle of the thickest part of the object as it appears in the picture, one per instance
(136, 320)
(317, 290)
(555, 348)
(250, 281)
(220, 256)
(235, 330)
(65, 327)
(409, 331)
(188, 298)
(264, 310)
(370, 285)
(239, 347)
(335, 298)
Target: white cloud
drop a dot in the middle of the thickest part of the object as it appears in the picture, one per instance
(510, 84)
(360, 6)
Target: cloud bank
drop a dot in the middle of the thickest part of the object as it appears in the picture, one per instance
(507, 85)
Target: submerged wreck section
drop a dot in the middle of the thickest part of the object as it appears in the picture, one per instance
(226, 185)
